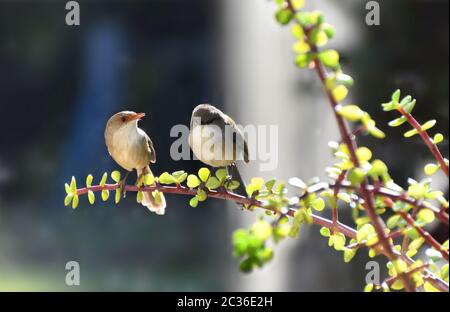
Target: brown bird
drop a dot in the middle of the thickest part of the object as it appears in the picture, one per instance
(216, 140)
(132, 149)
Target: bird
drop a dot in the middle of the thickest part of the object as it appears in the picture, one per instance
(216, 141)
(132, 149)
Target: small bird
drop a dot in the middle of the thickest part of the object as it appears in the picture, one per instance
(132, 149)
(216, 141)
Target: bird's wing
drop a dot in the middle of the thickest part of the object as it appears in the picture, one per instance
(230, 122)
(150, 148)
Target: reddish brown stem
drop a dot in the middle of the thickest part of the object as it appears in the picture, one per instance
(426, 139)
(318, 220)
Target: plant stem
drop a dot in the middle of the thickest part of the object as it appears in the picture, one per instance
(318, 220)
(426, 139)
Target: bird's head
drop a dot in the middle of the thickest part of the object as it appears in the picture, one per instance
(123, 119)
(206, 114)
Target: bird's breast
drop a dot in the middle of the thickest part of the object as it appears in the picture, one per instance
(129, 149)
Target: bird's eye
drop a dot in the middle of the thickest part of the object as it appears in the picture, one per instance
(124, 119)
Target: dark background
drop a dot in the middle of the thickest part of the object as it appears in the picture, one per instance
(60, 84)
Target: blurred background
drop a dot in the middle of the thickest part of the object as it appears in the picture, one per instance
(60, 84)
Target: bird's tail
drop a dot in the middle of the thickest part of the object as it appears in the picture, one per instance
(235, 175)
(156, 205)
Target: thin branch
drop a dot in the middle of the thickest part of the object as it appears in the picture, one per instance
(426, 139)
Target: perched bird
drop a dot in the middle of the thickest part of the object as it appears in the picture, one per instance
(132, 149)
(216, 141)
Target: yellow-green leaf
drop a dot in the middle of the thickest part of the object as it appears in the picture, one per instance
(115, 175)
(193, 181)
(105, 195)
(426, 215)
(89, 179)
(204, 174)
(75, 201)
(91, 197)
(350, 112)
(340, 93)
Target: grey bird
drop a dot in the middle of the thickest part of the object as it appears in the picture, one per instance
(133, 149)
(216, 141)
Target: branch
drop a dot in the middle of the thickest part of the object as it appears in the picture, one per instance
(426, 139)
(229, 196)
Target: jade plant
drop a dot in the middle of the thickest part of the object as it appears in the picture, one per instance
(388, 219)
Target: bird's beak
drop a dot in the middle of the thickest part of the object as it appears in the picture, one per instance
(137, 116)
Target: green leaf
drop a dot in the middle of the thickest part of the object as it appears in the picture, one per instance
(416, 191)
(438, 138)
(338, 240)
(393, 221)
(426, 215)
(444, 272)
(430, 169)
(255, 185)
(297, 4)
(91, 197)
(193, 202)
(410, 133)
(396, 96)
(139, 197)
(103, 180)
(149, 179)
(180, 176)
(364, 232)
(262, 229)
(68, 199)
(221, 174)
(329, 30)
(356, 176)
(325, 232)
(201, 195)
(397, 122)
(232, 185)
(204, 174)
(298, 32)
(284, 16)
(269, 184)
(213, 183)
(433, 254)
(73, 185)
(364, 153)
(193, 181)
(428, 125)
(349, 254)
(297, 182)
(368, 287)
(67, 188)
(118, 196)
(166, 178)
(329, 58)
(406, 100)
(246, 265)
(350, 112)
(410, 106)
(301, 47)
(318, 204)
(428, 287)
(115, 175)
(378, 168)
(318, 37)
(303, 60)
(75, 201)
(339, 93)
(105, 195)
(344, 79)
(89, 179)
